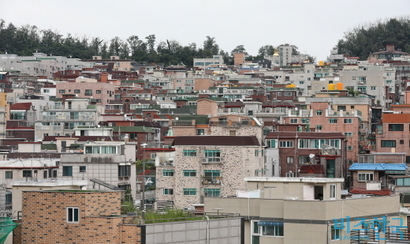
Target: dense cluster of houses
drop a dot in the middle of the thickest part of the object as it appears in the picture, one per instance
(334, 130)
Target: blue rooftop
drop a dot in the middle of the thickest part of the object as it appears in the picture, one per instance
(380, 167)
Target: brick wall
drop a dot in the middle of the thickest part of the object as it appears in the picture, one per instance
(45, 218)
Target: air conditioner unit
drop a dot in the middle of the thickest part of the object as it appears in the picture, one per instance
(204, 160)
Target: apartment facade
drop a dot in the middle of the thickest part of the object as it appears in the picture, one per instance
(392, 135)
(311, 154)
(208, 166)
(106, 164)
(307, 210)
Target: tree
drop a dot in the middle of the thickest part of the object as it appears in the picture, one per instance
(365, 39)
(266, 50)
(239, 49)
(210, 47)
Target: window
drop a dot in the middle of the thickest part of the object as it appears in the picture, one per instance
(403, 182)
(319, 112)
(200, 132)
(348, 134)
(365, 176)
(388, 143)
(266, 228)
(167, 172)
(304, 159)
(168, 191)
(61, 91)
(9, 198)
(210, 192)
(255, 232)
(153, 155)
(250, 112)
(189, 153)
(73, 214)
(98, 91)
(77, 91)
(272, 143)
(305, 121)
(289, 160)
(124, 170)
(27, 173)
(347, 121)
(83, 168)
(189, 173)
(9, 174)
(373, 88)
(67, 170)
(396, 127)
(332, 191)
(349, 148)
(341, 108)
(189, 191)
(336, 232)
(319, 127)
(293, 121)
(88, 92)
(45, 174)
(232, 132)
(213, 155)
(401, 141)
(333, 121)
(288, 144)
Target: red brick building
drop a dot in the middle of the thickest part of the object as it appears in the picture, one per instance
(75, 216)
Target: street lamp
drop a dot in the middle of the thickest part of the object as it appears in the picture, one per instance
(143, 145)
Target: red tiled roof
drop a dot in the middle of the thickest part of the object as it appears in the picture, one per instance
(20, 106)
(382, 192)
(216, 140)
(312, 169)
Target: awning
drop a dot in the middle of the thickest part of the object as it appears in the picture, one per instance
(270, 223)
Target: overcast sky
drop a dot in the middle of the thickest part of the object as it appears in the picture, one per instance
(315, 26)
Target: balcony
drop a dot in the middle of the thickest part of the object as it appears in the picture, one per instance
(209, 180)
(331, 151)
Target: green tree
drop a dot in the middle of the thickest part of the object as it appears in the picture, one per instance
(366, 39)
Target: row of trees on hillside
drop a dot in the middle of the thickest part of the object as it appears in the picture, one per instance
(28, 39)
(365, 39)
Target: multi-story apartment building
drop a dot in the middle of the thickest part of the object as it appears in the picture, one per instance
(310, 211)
(392, 134)
(106, 164)
(208, 166)
(375, 80)
(65, 116)
(294, 153)
(40, 64)
(114, 63)
(102, 92)
(205, 62)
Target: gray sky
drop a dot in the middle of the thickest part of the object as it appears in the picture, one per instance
(314, 26)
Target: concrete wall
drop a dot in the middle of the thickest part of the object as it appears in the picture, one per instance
(227, 230)
(307, 221)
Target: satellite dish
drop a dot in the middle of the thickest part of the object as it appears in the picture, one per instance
(311, 155)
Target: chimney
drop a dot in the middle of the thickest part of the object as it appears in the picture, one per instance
(104, 78)
(390, 47)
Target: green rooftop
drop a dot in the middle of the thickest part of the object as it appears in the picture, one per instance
(133, 129)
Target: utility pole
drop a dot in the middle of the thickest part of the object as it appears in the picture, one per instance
(143, 177)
